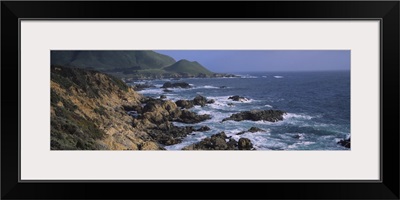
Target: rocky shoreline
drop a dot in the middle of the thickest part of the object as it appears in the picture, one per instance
(94, 111)
(157, 115)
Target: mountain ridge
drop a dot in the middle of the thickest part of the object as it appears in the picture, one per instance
(137, 64)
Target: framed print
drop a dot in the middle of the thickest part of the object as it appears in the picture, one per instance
(283, 95)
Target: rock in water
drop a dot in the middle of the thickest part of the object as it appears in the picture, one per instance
(176, 85)
(203, 128)
(191, 117)
(198, 100)
(187, 104)
(345, 143)
(139, 87)
(218, 142)
(215, 142)
(211, 101)
(238, 98)
(257, 115)
(255, 129)
(251, 130)
(245, 144)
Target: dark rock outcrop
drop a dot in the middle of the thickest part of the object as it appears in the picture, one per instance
(346, 143)
(163, 97)
(215, 142)
(251, 130)
(176, 85)
(187, 104)
(203, 129)
(168, 134)
(257, 115)
(218, 142)
(139, 87)
(238, 98)
(245, 144)
(189, 117)
(211, 101)
(198, 100)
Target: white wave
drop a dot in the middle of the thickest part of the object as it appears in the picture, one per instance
(269, 106)
(210, 87)
(299, 116)
(263, 122)
(247, 76)
(190, 139)
(291, 136)
(300, 144)
(278, 76)
(140, 82)
(151, 91)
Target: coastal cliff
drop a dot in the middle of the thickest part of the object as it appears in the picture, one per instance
(96, 111)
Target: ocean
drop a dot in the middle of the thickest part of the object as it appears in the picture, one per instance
(317, 106)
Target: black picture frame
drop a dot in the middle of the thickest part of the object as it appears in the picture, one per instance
(386, 11)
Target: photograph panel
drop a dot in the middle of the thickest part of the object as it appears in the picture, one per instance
(200, 100)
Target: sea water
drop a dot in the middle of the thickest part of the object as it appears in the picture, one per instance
(317, 106)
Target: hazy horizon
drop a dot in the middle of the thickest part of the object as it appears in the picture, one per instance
(265, 60)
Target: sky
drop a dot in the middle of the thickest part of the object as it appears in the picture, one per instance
(265, 60)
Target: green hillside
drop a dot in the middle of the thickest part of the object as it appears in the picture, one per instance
(185, 66)
(111, 60)
(126, 64)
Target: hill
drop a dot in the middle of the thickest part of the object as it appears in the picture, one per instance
(131, 64)
(185, 66)
(111, 60)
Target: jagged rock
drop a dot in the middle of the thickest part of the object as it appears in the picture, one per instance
(139, 87)
(211, 101)
(218, 142)
(257, 115)
(346, 143)
(191, 117)
(238, 98)
(133, 108)
(168, 134)
(255, 129)
(150, 146)
(198, 100)
(215, 142)
(223, 87)
(230, 104)
(203, 128)
(251, 130)
(163, 97)
(176, 85)
(158, 111)
(245, 144)
(232, 144)
(187, 104)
